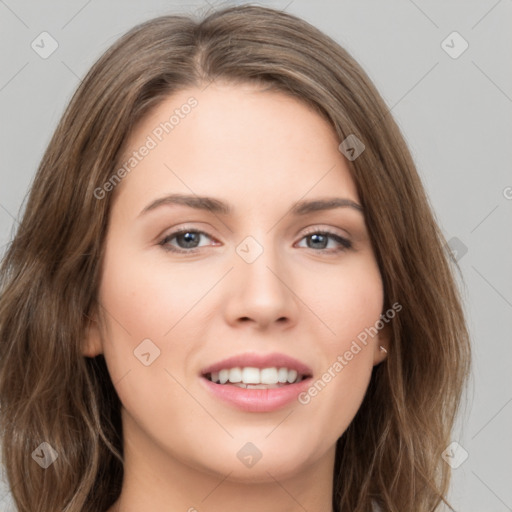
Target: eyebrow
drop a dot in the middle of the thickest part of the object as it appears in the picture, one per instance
(217, 206)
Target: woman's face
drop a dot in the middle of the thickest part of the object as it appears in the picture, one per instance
(262, 272)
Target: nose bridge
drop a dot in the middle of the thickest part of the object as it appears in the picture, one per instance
(258, 263)
(261, 291)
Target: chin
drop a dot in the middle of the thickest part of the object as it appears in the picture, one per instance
(264, 467)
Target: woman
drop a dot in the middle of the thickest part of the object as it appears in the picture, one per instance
(228, 290)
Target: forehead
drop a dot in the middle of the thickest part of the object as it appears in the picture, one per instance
(239, 142)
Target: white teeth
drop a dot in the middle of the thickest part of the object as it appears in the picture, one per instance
(251, 375)
(235, 375)
(269, 376)
(282, 375)
(292, 375)
(255, 378)
(223, 376)
(256, 386)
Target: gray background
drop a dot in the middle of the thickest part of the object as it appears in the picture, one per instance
(454, 112)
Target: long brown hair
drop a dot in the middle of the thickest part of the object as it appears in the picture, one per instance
(49, 392)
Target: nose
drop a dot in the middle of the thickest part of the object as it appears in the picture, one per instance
(261, 292)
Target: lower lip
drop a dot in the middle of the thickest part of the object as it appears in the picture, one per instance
(257, 400)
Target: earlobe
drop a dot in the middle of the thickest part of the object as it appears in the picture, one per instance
(91, 343)
(382, 345)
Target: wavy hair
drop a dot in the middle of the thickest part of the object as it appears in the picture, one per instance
(390, 455)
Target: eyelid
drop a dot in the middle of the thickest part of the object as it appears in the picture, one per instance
(319, 229)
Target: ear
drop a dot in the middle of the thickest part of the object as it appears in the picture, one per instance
(382, 345)
(92, 344)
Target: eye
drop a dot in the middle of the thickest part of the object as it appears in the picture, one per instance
(186, 240)
(189, 241)
(325, 241)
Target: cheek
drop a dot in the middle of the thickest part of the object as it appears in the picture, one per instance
(152, 302)
(148, 300)
(149, 310)
(140, 304)
(347, 300)
(350, 305)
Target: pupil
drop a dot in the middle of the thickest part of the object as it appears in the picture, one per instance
(319, 238)
(190, 239)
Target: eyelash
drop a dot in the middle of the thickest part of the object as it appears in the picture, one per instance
(344, 244)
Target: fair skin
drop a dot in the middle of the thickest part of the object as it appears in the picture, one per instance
(305, 297)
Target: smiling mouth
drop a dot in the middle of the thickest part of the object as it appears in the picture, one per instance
(255, 378)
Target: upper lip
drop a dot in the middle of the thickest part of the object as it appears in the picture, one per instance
(260, 361)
